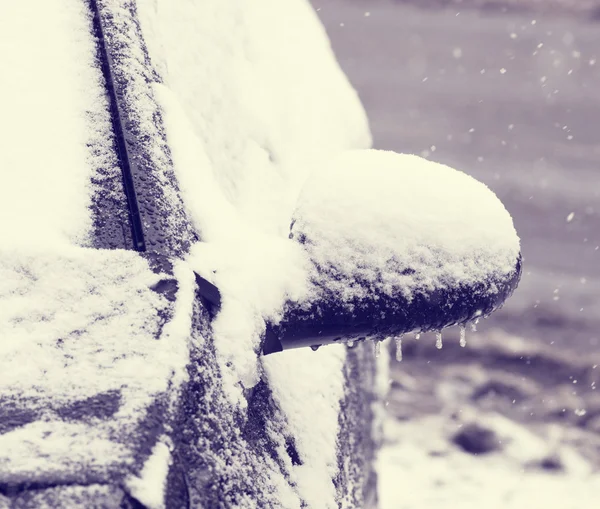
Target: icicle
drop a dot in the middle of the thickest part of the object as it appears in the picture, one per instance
(377, 348)
(463, 335)
(418, 336)
(399, 348)
(474, 325)
(438, 340)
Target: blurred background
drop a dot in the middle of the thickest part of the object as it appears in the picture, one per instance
(507, 91)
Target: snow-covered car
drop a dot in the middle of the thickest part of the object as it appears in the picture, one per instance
(154, 155)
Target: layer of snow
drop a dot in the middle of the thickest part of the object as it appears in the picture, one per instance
(107, 302)
(75, 323)
(263, 96)
(255, 272)
(420, 468)
(150, 485)
(253, 102)
(78, 324)
(254, 106)
(250, 103)
(309, 388)
(525, 404)
(166, 228)
(255, 99)
(395, 224)
(61, 451)
(46, 131)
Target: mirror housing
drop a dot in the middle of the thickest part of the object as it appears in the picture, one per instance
(396, 243)
(379, 317)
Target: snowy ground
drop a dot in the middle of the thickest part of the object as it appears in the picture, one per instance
(497, 425)
(510, 98)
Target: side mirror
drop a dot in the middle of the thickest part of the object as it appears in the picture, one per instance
(396, 244)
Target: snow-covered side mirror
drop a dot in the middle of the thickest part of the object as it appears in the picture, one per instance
(396, 244)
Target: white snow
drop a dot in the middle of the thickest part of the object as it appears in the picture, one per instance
(248, 107)
(52, 106)
(255, 274)
(540, 457)
(369, 216)
(419, 467)
(78, 324)
(308, 387)
(255, 99)
(263, 95)
(57, 450)
(75, 323)
(107, 298)
(149, 487)
(254, 105)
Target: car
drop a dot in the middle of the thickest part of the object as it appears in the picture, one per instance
(167, 261)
